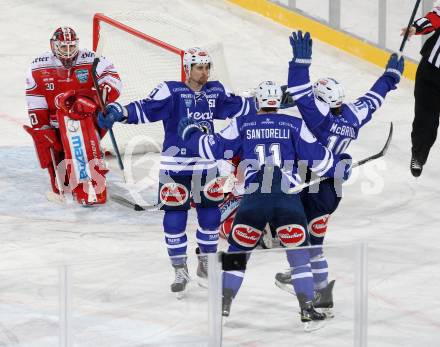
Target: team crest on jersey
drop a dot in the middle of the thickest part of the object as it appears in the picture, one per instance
(245, 235)
(173, 194)
(318, 226)
(82, 75)
(292, 235)
(188, 102)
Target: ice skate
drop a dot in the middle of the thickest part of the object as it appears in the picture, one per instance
(324, 299)
(283, 280)
(416, 167)
(202, 269)
(181, 280)
(312, 319)
(227, 302)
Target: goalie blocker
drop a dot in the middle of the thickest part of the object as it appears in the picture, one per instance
(78, 157)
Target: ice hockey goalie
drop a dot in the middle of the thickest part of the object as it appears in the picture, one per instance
(62, 106)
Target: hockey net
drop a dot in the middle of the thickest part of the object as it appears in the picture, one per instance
(146, 49)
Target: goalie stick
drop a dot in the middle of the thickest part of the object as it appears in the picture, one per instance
(102, 105)
(361, 162)
(134, 206)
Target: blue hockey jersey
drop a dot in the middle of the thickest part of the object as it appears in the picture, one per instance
(267, 139)
(171, 101)
(335, 131)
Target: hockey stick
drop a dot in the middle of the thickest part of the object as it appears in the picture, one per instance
(411, 20)
(132, 205)
(361, 162)
(102, 105)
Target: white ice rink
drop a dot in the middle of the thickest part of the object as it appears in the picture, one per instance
(117, 257)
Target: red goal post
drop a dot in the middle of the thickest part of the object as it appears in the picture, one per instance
(143, 46)
(142, 62)
(100, 17)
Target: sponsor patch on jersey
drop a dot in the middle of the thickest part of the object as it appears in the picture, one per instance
(318, 226)
(173, 194)
(188, 102)
(214, 189)
(82, 75)
(292, 235)
(245, 235)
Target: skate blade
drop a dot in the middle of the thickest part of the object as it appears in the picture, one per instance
(202, 282)
(286, 287)
(225, 320)
(54, 197)
(180, 295)
(313, 325)
(328, 313)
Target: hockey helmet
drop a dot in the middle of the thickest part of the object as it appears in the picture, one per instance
(268, 95)
(329, 91)
(65, 45)
(195, 55)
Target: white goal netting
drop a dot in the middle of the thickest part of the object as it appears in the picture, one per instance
(142, 64)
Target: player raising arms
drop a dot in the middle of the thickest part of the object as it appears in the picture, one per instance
(62, 105)
(270, 145)
(182, 171)
(335, 124)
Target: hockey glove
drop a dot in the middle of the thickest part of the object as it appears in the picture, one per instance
(115, 113)
(394, 68)
(343, 167)
(286, 99)
(302, 48)
(186, 127)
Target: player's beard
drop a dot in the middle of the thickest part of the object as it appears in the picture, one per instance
(202, 80)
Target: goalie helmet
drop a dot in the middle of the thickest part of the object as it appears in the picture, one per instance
(268, 95)
(195, 55)
(330, 91)
(65, 45)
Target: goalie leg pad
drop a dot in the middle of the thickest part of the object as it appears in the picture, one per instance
(84, 162)
(44, 140)
(226, 226)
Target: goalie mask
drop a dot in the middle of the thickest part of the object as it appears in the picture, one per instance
(195, 55)
(268, 95)
(65, 45)
(330, 91)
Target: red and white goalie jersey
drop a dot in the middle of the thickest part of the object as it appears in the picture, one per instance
(62, 106)
(47, 79)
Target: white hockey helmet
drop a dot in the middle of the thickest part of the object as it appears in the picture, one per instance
(268, 95)
(195, 55)
(330, 91)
